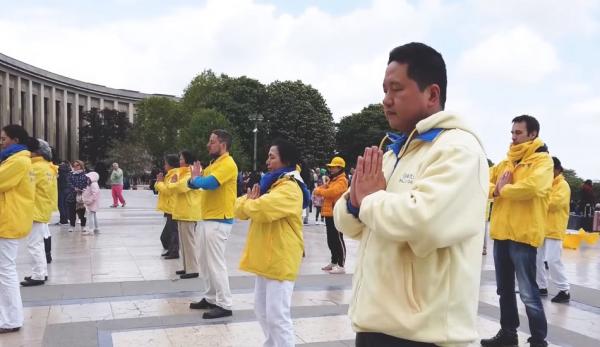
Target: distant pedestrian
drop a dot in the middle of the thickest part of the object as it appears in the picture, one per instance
(116, 184)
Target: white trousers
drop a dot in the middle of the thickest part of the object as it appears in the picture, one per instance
(35, 246)
(92, 220)
(11, 306)
(211, 241)
(272, 301)
(550, 251)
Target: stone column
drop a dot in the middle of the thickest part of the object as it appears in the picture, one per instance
(75, 129)
(88, 103)
(62, 125)
(29, 109)
(4, 107)
(101, 104)
(16, 115)
(130, 112)
(116, 105)
(52, 119)
(41, 113)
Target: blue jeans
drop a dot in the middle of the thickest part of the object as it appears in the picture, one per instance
(512, 258)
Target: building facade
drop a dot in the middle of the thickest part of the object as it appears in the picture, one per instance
(48, 105)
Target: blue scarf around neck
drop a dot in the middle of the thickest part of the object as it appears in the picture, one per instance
(271, 177)
(399, 139)
(10, 150)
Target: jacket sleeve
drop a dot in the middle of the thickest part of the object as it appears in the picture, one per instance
(181, 186)
(445, 205)
(344, 221)
(560, 197)
(493, 180)
(11, 173)
(280, 202)
(537, 184)
(161, 188)
(333, 189)
(238, 208)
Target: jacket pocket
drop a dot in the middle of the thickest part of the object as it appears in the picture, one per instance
(410, 287)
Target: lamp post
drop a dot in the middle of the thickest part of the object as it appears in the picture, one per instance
(256, 118)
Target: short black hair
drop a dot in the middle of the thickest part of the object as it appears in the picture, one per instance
(557, 164)
(172, 160)
(288, 152)
(425, 66)
(187, 156)
(531, 123)
(223, 136)
(15, 131)
(33, 145)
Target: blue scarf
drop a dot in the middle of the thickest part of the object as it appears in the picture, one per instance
(10, 150)
(270, 177)
(398, 140)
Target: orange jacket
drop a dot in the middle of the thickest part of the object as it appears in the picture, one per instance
(332, 191)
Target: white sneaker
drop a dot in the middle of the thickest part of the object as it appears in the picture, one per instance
(328, 267)
(87, 233)
(71, 229)
(337, 270)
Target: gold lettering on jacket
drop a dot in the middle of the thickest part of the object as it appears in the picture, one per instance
(407, 178)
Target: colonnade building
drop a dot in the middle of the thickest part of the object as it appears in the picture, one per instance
(49, 105)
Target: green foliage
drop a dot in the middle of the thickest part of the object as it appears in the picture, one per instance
(132, 156)
(157, 124)
(360, 130)
(574, 181)
(194, 136)
(298, 112)
(98, 130)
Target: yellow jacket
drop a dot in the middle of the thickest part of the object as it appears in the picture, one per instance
(166, 198)
(17, 194)
(558, 209)
(331, 192)
(275, 244)
(187, 201)
(419, 263)
(520, 211)
(44, 194)
(54, 186)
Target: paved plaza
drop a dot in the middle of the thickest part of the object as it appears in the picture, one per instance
(114, 289)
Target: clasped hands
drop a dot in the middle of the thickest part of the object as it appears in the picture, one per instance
(368, 176)
(505, 179)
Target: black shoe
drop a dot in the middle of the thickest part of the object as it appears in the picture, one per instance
(176, 256)
(537, 344)
(32, 282)
(192, 275)
(562, 297)
(165, 254)
(502, 339)
(28, 278)
(217, 312)
(180, 272)
(543, 292)
(48, 258)
(202, 305)
(9, 330)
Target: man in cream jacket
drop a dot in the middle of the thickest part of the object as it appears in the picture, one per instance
(418, 211)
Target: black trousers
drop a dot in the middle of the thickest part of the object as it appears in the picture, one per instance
(73, 214)
(383, 340)
(172, 236)
(335, 242)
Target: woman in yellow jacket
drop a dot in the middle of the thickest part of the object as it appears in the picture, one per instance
(166, 202)
(332, 190)
(16, 217)
(44, 202)
(275, 244)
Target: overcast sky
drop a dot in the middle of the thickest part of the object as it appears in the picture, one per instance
(504, 57)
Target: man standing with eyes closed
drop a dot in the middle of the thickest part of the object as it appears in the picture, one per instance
(418, 211)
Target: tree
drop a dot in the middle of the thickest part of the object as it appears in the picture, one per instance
(360, 130)
(157, 124)
(99, 128)
(298, 112)
(574, 181)
(194, 136)
(132, 156)
(235, 98)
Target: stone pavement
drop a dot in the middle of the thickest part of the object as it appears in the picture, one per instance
(114, 289)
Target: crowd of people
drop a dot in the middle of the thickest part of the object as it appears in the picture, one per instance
(418, 208)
